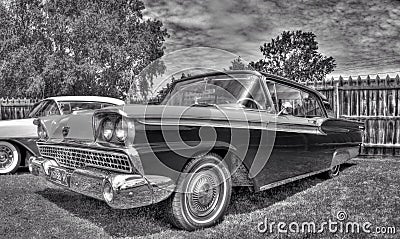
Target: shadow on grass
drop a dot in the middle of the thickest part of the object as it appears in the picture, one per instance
(244, 201)
(117, 223)
(23, 170)
(153, 219)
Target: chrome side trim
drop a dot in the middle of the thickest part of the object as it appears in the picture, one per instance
(289, 180)
(255, 125)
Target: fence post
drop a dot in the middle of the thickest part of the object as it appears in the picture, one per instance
(336, 101)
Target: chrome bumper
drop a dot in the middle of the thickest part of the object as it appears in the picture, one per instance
(121, 191)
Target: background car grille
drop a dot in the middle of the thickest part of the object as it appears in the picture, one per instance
(80, 157)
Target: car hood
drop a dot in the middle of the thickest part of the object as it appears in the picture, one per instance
(18, 128)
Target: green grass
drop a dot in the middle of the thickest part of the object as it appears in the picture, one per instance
(367, 190)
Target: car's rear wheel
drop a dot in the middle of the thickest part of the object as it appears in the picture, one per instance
(10, 158)
(203, 193)
(333, 172)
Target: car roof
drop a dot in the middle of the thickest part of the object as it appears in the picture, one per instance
(257, 73)
(88, 99)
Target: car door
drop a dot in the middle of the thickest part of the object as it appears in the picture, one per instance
(295, 128)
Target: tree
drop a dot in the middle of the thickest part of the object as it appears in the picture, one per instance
(294, 55)
(23, 48)
(84, 47)
(238, 64)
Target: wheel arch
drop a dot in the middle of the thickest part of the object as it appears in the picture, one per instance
(228, 153)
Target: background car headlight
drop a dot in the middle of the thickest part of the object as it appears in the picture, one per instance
(108, 129)
(121, 130)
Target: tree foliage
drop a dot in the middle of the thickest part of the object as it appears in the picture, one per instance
(78, 47)
(294, 55)
(238, 64)
(161, 94)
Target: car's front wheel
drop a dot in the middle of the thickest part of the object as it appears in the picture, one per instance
(10, 158)
(203, 193)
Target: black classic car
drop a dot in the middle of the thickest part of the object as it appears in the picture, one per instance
(212, 132)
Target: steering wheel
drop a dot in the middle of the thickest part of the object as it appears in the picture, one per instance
(259, 106)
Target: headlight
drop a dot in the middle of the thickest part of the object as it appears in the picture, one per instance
(121, 130)
(108, 129)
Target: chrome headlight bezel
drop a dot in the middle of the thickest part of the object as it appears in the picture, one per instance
(121, 128)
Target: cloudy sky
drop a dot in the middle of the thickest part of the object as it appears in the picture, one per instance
(362, 35)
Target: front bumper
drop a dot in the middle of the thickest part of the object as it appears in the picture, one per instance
(121, 191)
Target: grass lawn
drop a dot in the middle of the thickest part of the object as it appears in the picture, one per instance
(367, 190)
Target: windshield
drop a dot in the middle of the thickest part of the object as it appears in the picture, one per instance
(241, 90)
(39, 108)
(50, 107)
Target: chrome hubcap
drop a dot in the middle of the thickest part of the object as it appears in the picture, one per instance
(6, 157)
(203, 193)
(335, 170)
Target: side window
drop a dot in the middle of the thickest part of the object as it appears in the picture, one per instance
(65, 107)
(305, 104)
(285, 94)
(312, 107)
(50, 109)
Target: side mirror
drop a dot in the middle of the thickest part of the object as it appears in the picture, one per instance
(286, 108)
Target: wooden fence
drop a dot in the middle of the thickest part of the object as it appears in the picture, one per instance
(15, 108)
(372, 100)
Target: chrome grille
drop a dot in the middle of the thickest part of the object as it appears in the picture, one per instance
(79, 157)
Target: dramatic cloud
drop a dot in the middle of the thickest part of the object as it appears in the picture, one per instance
(362, 35)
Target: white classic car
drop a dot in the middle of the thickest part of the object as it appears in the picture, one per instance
(18, 137)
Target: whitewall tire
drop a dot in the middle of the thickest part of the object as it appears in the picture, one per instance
(10, 158)
(203, 193)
